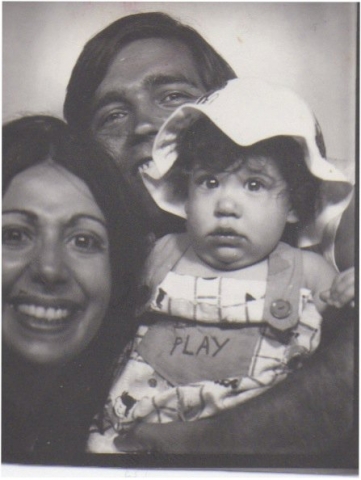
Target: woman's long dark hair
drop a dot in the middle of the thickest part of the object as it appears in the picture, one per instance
(29, 141)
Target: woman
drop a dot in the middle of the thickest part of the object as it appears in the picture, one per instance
(71, 253)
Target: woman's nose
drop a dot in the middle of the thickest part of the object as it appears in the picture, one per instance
(49, 265)
(228, 206)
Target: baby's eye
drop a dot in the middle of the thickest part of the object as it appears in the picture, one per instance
(87, 243)
(254, 185)
(15, 237)
(208, 181)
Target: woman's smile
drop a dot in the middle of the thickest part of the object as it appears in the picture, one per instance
(44, 314)
(56, 267)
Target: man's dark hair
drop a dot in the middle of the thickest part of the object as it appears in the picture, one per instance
(98, 54)
(205, 145)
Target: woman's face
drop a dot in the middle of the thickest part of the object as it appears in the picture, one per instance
(56, 266)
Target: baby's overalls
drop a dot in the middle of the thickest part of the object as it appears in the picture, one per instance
(197, 356)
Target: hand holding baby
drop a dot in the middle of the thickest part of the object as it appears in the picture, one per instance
(342, 291)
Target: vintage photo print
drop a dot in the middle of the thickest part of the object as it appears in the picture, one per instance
(180, 248)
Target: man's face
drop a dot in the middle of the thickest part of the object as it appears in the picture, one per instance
(146, 82)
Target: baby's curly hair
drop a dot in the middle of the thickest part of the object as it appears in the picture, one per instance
(205, 145)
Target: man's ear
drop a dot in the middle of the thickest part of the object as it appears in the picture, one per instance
(292, 216)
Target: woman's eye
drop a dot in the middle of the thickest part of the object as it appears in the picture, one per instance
(208, 181)
(15, 237)
(87, 243)
(254, 185)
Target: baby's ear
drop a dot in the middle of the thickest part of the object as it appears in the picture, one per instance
(292, 216)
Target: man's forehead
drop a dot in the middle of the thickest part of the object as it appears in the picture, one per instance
(145, 64)
(152, 56)
(116, 85)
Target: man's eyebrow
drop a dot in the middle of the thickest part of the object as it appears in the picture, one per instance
(164, 79)
(114, 96)
(154, 80)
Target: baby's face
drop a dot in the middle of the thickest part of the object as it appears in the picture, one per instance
(236, 218)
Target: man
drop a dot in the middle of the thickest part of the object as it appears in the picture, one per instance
(127, 81)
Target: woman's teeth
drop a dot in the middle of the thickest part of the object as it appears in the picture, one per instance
(43, 313)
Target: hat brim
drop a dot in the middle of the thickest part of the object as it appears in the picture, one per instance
(247, 111)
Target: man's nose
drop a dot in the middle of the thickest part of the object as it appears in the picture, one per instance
(49, 265)
(228, 205)
(147, 120)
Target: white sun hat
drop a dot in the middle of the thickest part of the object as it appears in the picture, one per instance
(247, 110)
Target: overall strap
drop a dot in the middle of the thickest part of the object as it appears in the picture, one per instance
(166, 253)
(284, 281)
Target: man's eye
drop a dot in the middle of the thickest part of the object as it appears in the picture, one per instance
(113, 117)
(15, 236)
(207, 181)
(87, 243)
(254, 185)
(177, 98)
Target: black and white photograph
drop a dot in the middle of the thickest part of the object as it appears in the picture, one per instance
(180, 237)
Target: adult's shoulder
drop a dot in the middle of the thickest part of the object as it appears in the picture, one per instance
(345, 237)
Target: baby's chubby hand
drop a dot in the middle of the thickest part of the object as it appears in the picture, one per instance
(342, 291)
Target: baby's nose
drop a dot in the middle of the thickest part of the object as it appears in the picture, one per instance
(228, 206)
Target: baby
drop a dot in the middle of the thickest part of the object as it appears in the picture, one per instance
(233, 307)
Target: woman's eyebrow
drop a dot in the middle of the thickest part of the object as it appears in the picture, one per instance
(73, 220)
(23, 212)
(84, 216)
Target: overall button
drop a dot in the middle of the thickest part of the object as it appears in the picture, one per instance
(281, 309)
(152, 382)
